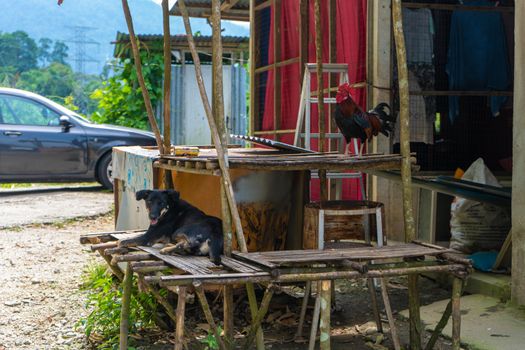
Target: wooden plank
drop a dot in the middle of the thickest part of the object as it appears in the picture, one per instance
(238, 265)
(277, 7)
(190, 264)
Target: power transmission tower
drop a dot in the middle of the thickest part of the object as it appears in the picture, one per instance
(82, 44)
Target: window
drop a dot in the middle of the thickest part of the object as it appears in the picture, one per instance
(22, 111)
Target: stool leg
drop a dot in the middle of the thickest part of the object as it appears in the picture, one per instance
(388, 309)
(307, 289)
(375, 307)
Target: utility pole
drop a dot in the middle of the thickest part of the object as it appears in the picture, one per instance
(82, 44)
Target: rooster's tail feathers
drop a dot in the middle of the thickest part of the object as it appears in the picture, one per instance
(387, 120)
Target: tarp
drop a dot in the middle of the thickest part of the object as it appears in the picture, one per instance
(350, 49)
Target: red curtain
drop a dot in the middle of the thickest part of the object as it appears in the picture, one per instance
(350, 49)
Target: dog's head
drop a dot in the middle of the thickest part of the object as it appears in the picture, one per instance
(158, 202)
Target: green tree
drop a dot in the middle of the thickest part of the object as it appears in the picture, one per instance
(18, 50)
(55, 81)
(59, 53)
(120, 98)
(44, 46)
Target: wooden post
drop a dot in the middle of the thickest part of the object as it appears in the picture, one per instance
(406, 176)
(124, 312)
(320, 93)
(179, 327)
(315, 318)
(456, 313)
(375, 307)
(140, 76)
(222, 157)
(440, 326)
(324, 323)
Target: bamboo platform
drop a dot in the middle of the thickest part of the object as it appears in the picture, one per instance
(178, 273)
(267, 159)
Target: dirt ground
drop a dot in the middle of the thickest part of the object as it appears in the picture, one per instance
(40, 300)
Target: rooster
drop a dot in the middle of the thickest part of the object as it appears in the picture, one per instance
(353, 122)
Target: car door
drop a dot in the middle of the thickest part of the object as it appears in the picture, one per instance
(33, 144)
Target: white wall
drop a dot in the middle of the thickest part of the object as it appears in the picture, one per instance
(195, 125)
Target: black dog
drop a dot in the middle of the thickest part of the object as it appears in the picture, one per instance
(175, 221)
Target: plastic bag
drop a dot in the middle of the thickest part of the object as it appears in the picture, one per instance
(476, 226)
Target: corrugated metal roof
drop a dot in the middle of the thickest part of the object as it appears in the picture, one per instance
(155, 42)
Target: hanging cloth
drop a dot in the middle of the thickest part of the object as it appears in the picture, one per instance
(477, 55)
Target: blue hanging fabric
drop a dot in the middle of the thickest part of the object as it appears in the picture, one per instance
(477, 55)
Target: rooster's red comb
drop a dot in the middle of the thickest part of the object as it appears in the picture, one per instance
(343, 93)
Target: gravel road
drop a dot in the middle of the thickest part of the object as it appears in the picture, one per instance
(41, 266)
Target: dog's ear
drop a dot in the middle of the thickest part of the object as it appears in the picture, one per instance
(174, 195)
(142, 194)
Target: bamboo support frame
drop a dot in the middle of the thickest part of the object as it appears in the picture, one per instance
(140, 76)
(406, 178)
(222, 154)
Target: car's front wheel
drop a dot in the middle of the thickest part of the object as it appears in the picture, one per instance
(105, 171)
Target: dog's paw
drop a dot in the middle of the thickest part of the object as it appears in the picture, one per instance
(169, 249)
(125, 243)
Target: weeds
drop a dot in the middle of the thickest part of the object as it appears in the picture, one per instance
(104, 296)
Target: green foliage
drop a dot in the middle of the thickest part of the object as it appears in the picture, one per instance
(104, 299)
(210, 342)
(18, 50)
(55, 81)
(120, 98)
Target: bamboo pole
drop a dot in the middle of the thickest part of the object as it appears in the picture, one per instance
(320, 93)
(457, 285)
(410, 231)
(222, 157)
(181, 309)
(307, 288)
(167, 76)
(228, 290)
(140, 76)
(390, 316)
(207, 312)
(315, 318)
(124, 312)
(265, 303)
(324, 324)
(168, 180)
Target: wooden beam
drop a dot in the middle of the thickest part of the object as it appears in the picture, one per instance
(228, 4)
(263, 5)
(275, 65)
(140, 76)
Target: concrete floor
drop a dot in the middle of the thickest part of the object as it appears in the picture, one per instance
(486, 323)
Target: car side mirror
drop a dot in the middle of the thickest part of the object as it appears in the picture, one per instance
(65, 123)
